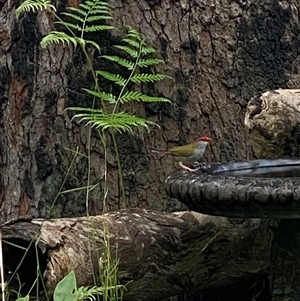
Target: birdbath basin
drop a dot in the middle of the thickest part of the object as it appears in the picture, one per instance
(281, 168)
(255, 188)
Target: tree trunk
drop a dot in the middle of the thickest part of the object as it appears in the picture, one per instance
(160, 254)
(220, 56)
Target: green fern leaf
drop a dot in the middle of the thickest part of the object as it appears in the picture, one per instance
(131, 32)
(116, 78)
(108, 97)
(91, 19)
(70, 25)
(57, 37)
(94, 44)
(95, 28)
(35, 5)
(132, 42)
(149, 62)
(73, 16)
(123, 62)
(85, 6)
(96, 3)
(100, 10)
(78, 10)
(148, 50)
(146, 78)
(102, 95)
(137, 96)
(133, 53)
(120, 121)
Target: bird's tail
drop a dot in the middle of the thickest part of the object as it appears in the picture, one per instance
(156, 150)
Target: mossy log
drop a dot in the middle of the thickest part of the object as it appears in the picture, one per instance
(160, 254)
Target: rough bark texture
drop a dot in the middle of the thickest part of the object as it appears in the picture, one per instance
(273, 120)
(162, 254)
(220, 54)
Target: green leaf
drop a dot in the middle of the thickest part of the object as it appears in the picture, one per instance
(132, 42)
(35, 5)
(95, 28)
(132, 52)
(116, 78)
(149, 62)
(102, 95)
(278, 291)
(120, 121)
(148, 50)
(73, 16)
(146, 78)
(94, 44)
(137, 96)
(97, 18)
(26, 298)
(78, 10)
(57, 37)
(131, 32)
(122, 62)
(70, 25)
(288, 290)
(66, 289)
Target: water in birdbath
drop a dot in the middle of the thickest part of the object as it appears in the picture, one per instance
(262, 168)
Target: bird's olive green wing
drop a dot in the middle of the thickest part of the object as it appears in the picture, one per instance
(182, 151)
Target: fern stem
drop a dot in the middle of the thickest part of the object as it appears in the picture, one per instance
(128, 79)
(120, 171)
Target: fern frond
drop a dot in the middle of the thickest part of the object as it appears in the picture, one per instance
(91, 19)
(86, 14)
(132, 52)
(123, 62)
(70, 25)
(149, 62)
(77, 10)
(94, 28)
(148, 49)
(137, 96)
(120, 121)
(59, 37)
(102, 4)
(146, 78)
(131, 32)
(73, 16)
(56, 37)
(35, 5)
(94, 44)
(102, 95)
(116, 78)
(132, 42)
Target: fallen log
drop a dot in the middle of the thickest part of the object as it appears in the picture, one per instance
(160, 254)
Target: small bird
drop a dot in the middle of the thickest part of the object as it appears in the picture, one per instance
(188, 153)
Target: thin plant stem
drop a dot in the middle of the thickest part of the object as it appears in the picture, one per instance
(2, 268)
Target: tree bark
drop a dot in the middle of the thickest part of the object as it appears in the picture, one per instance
(220, 54)
(160, 254)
